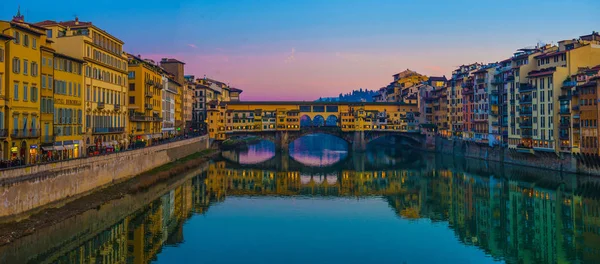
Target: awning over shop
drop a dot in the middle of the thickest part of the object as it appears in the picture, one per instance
(69, 146)
(157, 136)
(48, 148)
(59, 148)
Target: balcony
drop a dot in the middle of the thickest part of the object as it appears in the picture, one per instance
(575, 108)
(525, 111)
(525, 100)
(25, 133)
(467, 85)
(480, 80)
(510, 77)
(569, 84)
(101, 105)
(565, 124)
(149, 94)
(3, 133)
(525, 124)
(148, 106)
(526, 87)
(494, 112)
(144, 118)
(467, 91)
(576, 125)
(563, 136)
(564, 98)
(108, 130)
(497, 81)
(564, 111)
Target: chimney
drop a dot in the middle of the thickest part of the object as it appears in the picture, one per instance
(76, 20)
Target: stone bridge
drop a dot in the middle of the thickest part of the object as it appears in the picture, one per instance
(357, 140)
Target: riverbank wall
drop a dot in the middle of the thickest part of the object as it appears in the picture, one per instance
(34, 187)
(564, 162)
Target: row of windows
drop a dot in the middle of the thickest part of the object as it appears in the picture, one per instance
(25, 41)
(106, 43)
(556, 58)
(67, 66)
(105, 76)
(47, 82)
(47, 105)
(108, 59)
(102, 95)
(24, 95)
(67, 88)
(16, 66)
(67, 116)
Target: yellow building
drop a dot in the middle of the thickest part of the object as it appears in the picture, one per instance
(68, 106)
(3, 95)
(22, 111)
(144, 100)
(230, 117)
(105, 82)
(47, 137)
(179, 123)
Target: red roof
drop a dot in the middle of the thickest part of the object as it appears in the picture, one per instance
(550, 54)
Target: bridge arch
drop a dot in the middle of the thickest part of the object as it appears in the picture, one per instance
(318, 121)
(305, 121)
(412, 139)
(332, 120)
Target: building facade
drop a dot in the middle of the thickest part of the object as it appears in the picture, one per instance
(144, 100)
(105, 80)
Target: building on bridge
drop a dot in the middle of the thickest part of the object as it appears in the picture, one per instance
(288, 120)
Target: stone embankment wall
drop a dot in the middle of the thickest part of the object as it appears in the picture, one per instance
(25, 189)
(564, 162)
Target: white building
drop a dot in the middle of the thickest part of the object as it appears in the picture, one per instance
(168, 107)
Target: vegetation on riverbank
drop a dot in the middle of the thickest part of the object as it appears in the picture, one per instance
(239, 142)
(172, 169)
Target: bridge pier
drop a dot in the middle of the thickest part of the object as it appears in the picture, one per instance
(359, 144)
(282, 143)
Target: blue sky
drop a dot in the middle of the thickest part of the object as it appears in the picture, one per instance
(306, 49)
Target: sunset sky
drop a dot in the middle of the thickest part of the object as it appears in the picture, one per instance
(301, 50)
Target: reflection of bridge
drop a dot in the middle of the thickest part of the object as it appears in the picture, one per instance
(359, 161)
(284, 122)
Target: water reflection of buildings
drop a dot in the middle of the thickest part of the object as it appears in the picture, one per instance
(527, 221)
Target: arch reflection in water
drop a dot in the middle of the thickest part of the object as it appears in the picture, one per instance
(256, 153)
(318, 150)
(521, 219)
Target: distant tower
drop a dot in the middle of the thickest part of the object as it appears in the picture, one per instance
(19, 17)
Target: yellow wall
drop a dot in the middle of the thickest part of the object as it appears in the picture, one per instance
(350, 117)
(144, 99)
(68, 99)
(23, 106)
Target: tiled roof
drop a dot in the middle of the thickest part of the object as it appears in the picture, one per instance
(438, 79)
(550, 54)
(4, 36)
(171, 60)
(231, 89)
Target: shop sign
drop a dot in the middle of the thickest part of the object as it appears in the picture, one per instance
(14, 149)
(33, 146)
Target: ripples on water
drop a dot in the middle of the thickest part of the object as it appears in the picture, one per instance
(388, 205)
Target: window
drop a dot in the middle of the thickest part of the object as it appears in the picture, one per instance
(25, 40)
(34, 96)
(25, 66)
(34, 43)
(70, 88)
(17, 37)
(34, 69)
(16, 92)
(16, 65)
(1, 55)
(131, 75)
(43, 81)
(50, 81)
(132, 99)
(49, 33)
(131, 87)
(25, 88)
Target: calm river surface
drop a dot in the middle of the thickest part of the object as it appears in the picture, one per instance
(320, 203)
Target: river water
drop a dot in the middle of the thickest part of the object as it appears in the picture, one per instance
(320, 203)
